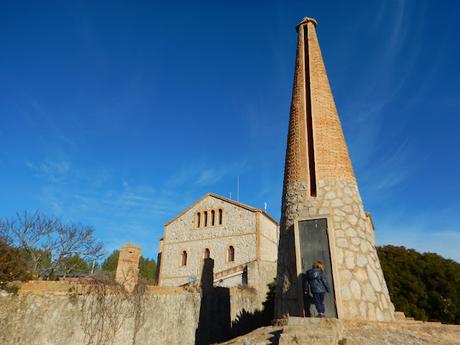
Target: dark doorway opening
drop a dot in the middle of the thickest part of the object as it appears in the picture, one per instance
(313, 245)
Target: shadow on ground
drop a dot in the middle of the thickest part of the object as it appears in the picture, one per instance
(215, 324)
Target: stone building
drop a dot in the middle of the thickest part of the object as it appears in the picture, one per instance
(242, 241)
(322, 215)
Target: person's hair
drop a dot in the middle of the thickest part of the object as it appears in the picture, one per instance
(318, 264)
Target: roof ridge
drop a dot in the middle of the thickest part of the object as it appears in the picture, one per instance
(217, 196)
(238, 203)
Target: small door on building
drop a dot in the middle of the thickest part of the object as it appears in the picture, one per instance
(312, 242)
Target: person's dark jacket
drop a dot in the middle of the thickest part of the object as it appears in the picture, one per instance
(315, 279)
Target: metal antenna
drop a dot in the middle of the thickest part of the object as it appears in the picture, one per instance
(238, 188)
(265, 206)
(230, 195)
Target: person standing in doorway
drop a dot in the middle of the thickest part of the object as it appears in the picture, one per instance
(317, 282)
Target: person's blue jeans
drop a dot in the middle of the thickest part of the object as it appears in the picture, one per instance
(318, 299)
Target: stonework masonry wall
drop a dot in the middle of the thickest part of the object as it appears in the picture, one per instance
(174, 275)
(237, 230)
(47, 314)
(360, 285)
(127, 272)
(268, 239)
(260, 274)
(236, 221)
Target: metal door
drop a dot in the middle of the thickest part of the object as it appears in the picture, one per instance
(314, 246)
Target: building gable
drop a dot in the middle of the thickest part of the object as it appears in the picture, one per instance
(216, 196)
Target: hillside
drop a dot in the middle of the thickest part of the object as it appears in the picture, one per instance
(425, 286)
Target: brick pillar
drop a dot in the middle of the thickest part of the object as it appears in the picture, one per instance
(128, 266)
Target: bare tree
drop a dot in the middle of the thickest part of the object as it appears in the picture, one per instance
(48, 243)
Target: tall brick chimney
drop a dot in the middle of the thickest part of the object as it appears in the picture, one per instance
(322, 215)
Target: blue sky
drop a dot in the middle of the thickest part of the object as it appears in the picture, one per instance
(119, 114)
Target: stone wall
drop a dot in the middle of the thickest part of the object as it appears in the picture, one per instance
(269, 233)
(260, 274)
(54, 314)
(361, 291)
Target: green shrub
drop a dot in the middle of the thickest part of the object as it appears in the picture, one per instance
(424, 286)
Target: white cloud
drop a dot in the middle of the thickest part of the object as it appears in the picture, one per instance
(121, 213)
(203, 173)
(53, 170)
(210, 176)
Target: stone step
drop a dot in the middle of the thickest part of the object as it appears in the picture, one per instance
(399, 315)
(301, 338)
(356, 332)
(310, 335)
(330, 325)
(413, 321)
(315, 331)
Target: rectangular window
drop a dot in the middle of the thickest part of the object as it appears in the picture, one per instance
(220, 216)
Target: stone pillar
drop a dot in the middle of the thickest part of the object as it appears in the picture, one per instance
(319, 182)
(128, 266)
(159, 263)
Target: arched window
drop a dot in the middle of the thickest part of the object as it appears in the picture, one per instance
(213, 217)
(220, 216)
(183, 258)
(198, 219)
(205, 218)
(206, 254)
(231, 254)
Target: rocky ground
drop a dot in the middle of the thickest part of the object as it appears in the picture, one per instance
(297, 331)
